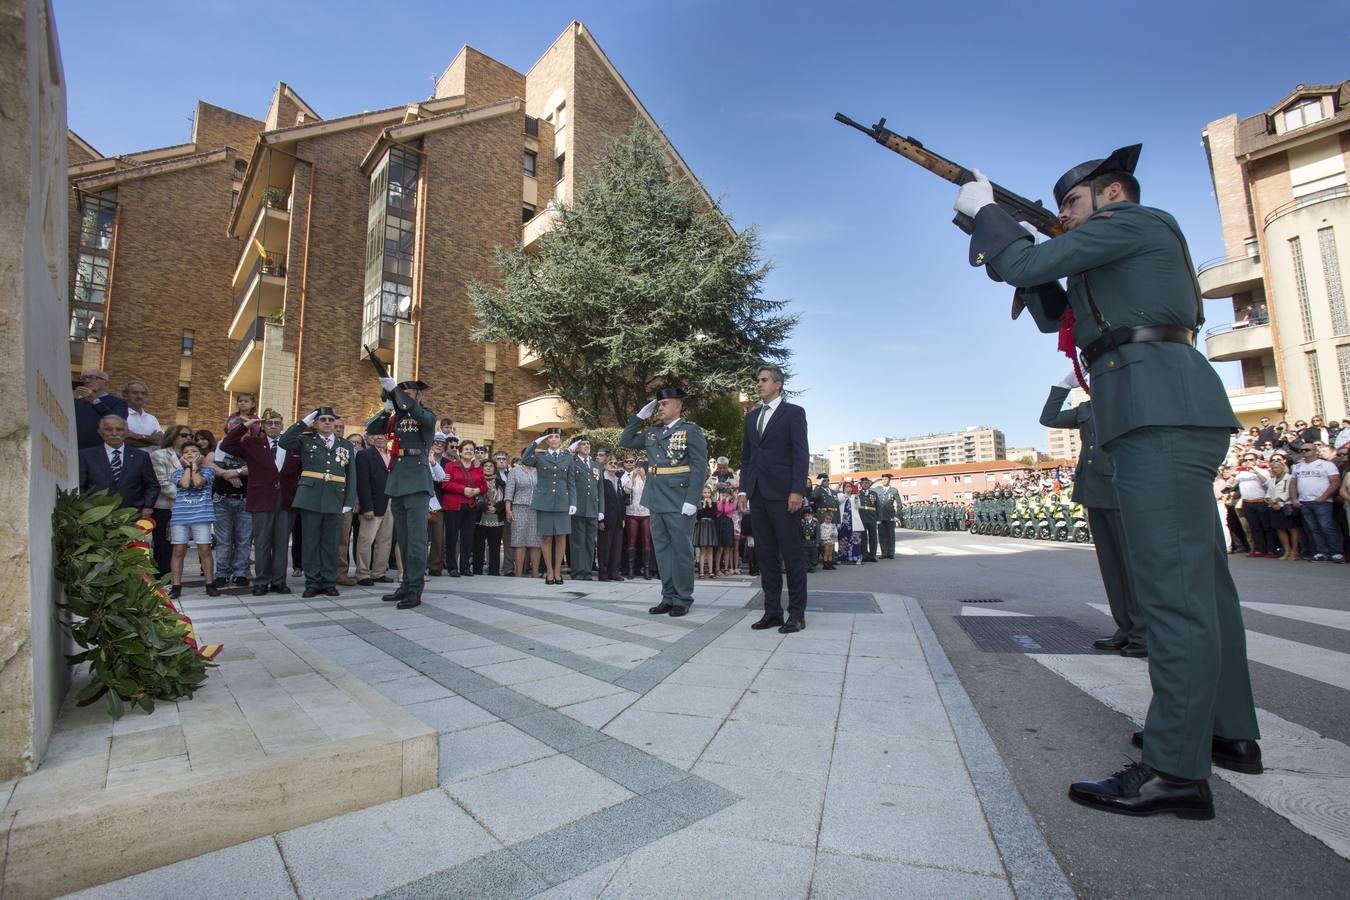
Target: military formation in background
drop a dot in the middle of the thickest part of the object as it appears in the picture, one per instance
(937, 515)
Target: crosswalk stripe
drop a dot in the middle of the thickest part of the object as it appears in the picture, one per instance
(1305, 772)
(992, 548)
(1327, 666)
(1313, 615)
(941, 550)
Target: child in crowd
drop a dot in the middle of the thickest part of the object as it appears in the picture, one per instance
(192, 518)
(726, 530)
(705, 533)
(810, 538)
(829, 533)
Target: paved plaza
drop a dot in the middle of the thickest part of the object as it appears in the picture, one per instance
(589, 749)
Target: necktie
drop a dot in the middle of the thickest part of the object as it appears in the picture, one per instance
(763, 419)
(117, 465)
(274, 445)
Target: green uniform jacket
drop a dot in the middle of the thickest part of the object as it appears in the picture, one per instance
(586, 487)
(679, 444)
(553, 489)
(1092, 475)
(1134, 264)
(314, 493)
(888, 503)
(867, 506)
(823, 498)
(415, 426)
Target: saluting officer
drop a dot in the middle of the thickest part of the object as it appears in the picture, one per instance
(1158, 406)
(555, 499)
(867, 506)
(1092, 487)
(888, 503)
(411, 428)
(822, 498)
(678, 454)
(586, 517)
(327, 491)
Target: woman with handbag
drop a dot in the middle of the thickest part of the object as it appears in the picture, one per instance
(487, 544)
(460, 491)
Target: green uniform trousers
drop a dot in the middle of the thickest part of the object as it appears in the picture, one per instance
(870, 541)
(1113, 560)
(410, 534)
(886, 531)
(318, 547)
(673, 543)
(1197, 647)
(581, 547)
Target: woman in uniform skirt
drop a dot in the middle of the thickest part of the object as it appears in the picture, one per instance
(554, 499)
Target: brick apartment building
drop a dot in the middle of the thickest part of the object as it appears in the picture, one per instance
(264, 255)
(1284, 208)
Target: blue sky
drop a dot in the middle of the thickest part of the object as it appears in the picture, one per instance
(898, 335)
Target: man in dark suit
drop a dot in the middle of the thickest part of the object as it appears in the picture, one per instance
(115, 467)
(773, 474)
(272, 477)
(611, 522)
(377, 525)
(92, 403)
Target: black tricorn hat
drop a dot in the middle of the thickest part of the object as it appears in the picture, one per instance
(822, 475)
(413, 385)
(557, 431)
(1122, 160)
(325, 411)
(673, 392)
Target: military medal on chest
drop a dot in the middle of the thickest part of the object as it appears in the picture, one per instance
(342, 456)
(678, 444)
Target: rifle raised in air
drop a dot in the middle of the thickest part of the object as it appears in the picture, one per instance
(1022, 209)
(380, 368)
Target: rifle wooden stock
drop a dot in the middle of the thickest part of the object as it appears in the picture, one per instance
(1022, 209)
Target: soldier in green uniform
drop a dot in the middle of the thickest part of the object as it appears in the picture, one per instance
(822, 498)
(555, 500)
(411, 428)
(1092, 487)
(888, 504)
(326, 491)
(1133, 307)
(678, 454)
(585, 521)
(867, 507)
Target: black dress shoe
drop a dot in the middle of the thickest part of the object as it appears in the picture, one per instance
(661, 608)
(281, 589)
(366, 582)
(410, 600)
(1134, 651)
(384, 579)
(259, 590)
(1110, 644)
(1235, 754)
(677, 611)
(792, 625)
(452, 573)
(769, 620)
(396, 595)
(1138, 790)
(309, 592)
(330, 591)
(240, 580)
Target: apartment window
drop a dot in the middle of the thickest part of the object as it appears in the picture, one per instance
(1331, 271)
(562, 166)
(1315, 378)
(189, 337)
(489, 387)
(531, 162)
(1304, 113)
(1301, 281)
(234, 199)
(1343, 361)
(526, 212)
(184, 394)
(562, 114)
(98, 214)
(532, 126)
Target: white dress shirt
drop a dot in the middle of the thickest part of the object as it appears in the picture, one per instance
(762, 421)
(141, 422)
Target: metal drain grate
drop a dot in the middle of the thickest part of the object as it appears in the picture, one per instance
(1027, 634)
(989, 600)
(851, 602)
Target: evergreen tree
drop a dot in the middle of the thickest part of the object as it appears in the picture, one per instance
(640, 283)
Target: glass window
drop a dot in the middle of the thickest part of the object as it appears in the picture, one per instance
(531, 161)
(532, 126)
(91, 280)
(86, 324)
(562, 166)
(189, 338)
(526, 212)
(562, 114)
(489, 387)
(97, 214)
(184, 394)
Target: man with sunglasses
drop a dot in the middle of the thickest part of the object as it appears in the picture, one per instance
(326, 492)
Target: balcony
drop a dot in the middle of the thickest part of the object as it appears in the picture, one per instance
(538, 226)
(1237, 340)
(546, 411)
(245, 366)
(271, 230)
(529, 359)
(1256, 400)
(1298, 203)
(1226, 277)
(262, 293)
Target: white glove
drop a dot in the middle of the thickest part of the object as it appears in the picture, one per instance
(572, 447)
(541, 439)
(389, 406)
(975, 195)
(646, 411)
(571, 510)
(346, 509)
(688, 509)
(309, 419)
(1069, 381)
(387, 382)
(1031, 230)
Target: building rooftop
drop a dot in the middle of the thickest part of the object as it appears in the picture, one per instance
(1256, 134)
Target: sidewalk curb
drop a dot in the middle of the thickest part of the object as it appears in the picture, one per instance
(1032, 868)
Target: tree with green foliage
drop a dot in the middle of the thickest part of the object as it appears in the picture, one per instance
(640, 283)
(913, 463)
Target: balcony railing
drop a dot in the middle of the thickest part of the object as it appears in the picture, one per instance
(1308, 200)
(254, 334)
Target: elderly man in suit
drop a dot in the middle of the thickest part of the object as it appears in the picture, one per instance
(377, 525)
(113, 466)
(273, 474)
(774, 459)
(92, 403)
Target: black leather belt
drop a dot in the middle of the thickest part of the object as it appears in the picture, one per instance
(411, 451)
(1116, 337)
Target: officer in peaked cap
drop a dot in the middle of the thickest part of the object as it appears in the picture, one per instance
(678, 455)
(1133, 308)
(411, 427)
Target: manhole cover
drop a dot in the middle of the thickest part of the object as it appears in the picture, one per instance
(1027, 634)
(851, 602)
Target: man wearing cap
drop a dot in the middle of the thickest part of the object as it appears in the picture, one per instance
(678, 454)
(1133, 307)
(867, 508)
(822, 498)
(411, 430)
(888, 506)
(585, 520)
(325, 493)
